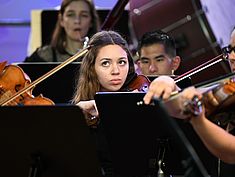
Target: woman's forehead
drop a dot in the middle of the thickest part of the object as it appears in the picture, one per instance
(111, 50)
(77, 6)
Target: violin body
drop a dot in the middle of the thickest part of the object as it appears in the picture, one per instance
(38, 100)
(218, 100)
(140, 83)
(12, 80)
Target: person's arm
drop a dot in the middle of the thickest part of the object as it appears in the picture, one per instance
(161, 87)
(218, 141)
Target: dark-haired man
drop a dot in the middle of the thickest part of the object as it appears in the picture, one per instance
(157, 54)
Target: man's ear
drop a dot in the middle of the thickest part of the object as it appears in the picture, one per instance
(176, 63)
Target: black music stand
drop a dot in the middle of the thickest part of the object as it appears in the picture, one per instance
(142, 136)
(46, 141)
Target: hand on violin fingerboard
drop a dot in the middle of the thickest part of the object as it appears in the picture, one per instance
(161, 87)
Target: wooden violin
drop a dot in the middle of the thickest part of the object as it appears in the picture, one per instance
(219, 101)
(21, 91)
(140, 83)
(12, 80)
(218, 97)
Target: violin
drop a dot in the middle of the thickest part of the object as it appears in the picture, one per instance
(12, 80)
(140, 83)
(18, 91)
(219, 101)
(218, 98)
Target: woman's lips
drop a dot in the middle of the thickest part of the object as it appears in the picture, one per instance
(116, 81)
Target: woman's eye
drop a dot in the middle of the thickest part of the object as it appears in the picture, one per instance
(84, 15)
(70, 15)
(122, 62)
(105, 63)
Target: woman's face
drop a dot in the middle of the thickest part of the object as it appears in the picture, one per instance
(112, 67)
(76, 20)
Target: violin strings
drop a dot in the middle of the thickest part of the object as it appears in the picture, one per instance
(5, 95)
(45, 76)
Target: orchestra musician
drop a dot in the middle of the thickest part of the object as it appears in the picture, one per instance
(220, 142)
(77, 22)
(108, 66)
(228, 170)
(157, 54)
(232, 51)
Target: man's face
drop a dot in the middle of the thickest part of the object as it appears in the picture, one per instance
(155, 61)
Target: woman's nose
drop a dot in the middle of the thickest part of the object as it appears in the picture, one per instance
(77, 19)
(115, 69)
